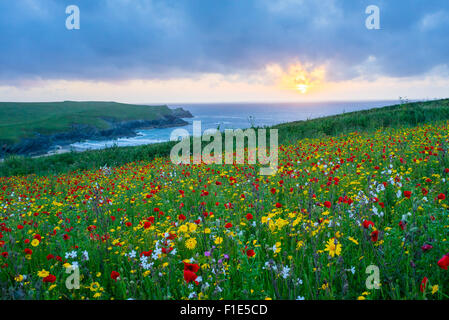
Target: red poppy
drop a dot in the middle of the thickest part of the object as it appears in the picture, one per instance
(426, 247)
(182, 217)
(327, 204)
(250, 253)
(249, 216)
(443, 263)
(273, 190)
(407, 194)
(167, 251)
(424, 191)
(441, 196)
(228, 225)
(5, 254)
(147, 224)
(278, 205)
(66, 237)
(367, 223)
(423, 285)
(374, 236)
(402, 224)
(50, 256)
(50, 278)
(28, 251)
(146, 253)
(115, 275)
(189, 276)
(193, 267)
(128, 224)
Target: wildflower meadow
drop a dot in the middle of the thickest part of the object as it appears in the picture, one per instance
(339, 212)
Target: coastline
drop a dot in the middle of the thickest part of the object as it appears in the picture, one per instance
(59, 143)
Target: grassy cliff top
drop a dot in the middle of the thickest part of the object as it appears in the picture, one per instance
(20, 120)
(406, 114)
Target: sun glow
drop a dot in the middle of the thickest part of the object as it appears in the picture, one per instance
(302, 88)
(298, 77)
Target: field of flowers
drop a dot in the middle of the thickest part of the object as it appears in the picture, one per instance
(154, 230)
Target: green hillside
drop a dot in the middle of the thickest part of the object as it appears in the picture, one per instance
(408, 114)
(23, 120)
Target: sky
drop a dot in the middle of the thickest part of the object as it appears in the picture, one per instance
(173, 51)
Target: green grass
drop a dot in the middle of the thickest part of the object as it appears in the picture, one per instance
(23, 120)
(409, 114)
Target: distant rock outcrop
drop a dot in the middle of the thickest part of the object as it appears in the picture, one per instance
(181, 113)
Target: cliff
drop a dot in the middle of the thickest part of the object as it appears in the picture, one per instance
(44, 126)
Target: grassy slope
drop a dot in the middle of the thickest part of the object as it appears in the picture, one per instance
(22, 120)
(409, 114)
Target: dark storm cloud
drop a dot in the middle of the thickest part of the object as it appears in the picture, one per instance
(121, 39)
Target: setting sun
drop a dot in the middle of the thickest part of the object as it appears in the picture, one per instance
(298, 77)
(302, 88)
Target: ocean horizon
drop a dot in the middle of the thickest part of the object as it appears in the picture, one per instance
(236, 115)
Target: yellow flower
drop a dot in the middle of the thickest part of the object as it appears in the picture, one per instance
(94, 286)
(218, 240)
(43, 273)
(192, 227)
(435, 289)
(333, 247)
(353, 240)
(277, 247)
(191, 243)
(361, 298)
(97, 295)
(35, 242)
(51, 287)
(18, 278)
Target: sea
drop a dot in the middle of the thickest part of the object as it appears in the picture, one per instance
(236, 116)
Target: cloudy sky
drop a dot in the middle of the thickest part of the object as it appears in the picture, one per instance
(147, 51)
